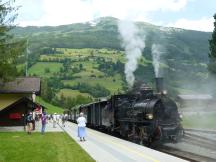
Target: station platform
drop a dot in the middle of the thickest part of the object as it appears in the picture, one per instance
(49, 128)
(106, 148)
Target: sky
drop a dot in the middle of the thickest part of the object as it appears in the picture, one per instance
(186, 14)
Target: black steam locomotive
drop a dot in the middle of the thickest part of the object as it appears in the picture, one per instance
(141, 116)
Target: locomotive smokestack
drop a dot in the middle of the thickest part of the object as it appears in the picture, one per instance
(159, 84)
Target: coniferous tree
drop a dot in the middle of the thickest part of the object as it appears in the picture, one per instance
(10, 49)
(212, 60)
(212, 54)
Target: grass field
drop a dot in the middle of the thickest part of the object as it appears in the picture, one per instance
(72, 93)
(85, 52)
(50, 147)
(50, 108)
(112, 83)
(39, 68)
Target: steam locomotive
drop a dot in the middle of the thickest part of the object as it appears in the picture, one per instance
(141, 116)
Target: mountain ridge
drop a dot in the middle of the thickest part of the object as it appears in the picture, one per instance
(185, 57)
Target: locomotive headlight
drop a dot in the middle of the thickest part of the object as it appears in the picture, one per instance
(164, 92)
(149, 116)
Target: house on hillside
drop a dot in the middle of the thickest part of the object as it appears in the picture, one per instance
(16, 100)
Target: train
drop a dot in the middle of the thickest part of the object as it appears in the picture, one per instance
(142, 115)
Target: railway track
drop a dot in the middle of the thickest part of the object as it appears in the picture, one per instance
(199, 141)
(185, 154)
(200, 131)
(193, 138)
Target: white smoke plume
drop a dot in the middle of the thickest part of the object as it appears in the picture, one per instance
(156, 57)
(133, 45)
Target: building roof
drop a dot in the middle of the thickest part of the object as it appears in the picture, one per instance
(12, 101)
(8, 99)
(21, 85)
(196, 97)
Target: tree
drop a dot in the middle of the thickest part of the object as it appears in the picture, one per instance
(212, 54)
(10, 48)
(47, 92)
(212, 60)
(81, 66)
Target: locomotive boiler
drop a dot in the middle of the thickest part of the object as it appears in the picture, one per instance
(142, 115)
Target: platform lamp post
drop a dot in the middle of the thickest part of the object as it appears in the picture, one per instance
(33, 96)
(27, 53)
(24, 123)
(33, 106)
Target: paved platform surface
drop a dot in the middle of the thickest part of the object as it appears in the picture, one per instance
(106, 148)
(49, 128)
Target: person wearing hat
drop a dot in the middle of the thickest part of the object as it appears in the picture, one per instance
(81, 121)
(54, 120)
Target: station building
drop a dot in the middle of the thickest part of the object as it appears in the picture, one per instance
(17, 98)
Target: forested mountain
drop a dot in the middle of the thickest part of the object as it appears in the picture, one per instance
(103, 33)
(183, 62)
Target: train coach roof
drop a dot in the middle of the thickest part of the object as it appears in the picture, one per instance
(86, 105)
(195, 97)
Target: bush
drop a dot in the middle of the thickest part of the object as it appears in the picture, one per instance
(95, 91)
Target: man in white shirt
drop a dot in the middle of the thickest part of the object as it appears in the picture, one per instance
(81, 121)
(54, 120)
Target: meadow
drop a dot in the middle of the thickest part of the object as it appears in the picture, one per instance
(50, 109)
(51, 64)
(45, 69)
(50, 147)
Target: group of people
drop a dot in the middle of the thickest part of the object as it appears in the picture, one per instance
(31, 120)
(56, 118)
(31, 117)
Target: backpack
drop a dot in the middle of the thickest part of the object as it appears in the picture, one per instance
(29, 118)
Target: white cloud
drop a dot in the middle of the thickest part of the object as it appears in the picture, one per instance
(135, 8)
(56, 12)
(204, 24)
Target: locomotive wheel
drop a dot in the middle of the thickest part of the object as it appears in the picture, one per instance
(141, 135)
(148, 142)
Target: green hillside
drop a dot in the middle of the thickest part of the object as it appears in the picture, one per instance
(49, 108)
(85, 58)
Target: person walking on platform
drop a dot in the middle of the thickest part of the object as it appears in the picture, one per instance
(29, 120)
(33, 120)
(81, 121)
(43, 122)
(64, 119)
(54, 120)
